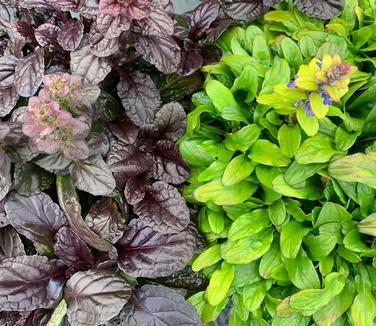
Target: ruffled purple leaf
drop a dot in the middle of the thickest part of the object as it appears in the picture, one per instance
(191, 58)
(323, 9)
(124, 130)
(7, 67)
(69, 202)
(36, 217)
(46, 35)
(171, 121)
(7, 12)
(139, 96)
(4, 221)
(244, 9)
(169, 166)
(65, 5)
(112, 26)
(200, 19)
(93, 176)
(70, 34)
(158, 23)
(163, 209)
(103, 219)
(94, 297)
(8, 100)
(161, 51)
(30, 282)
(158, 306)
(133, 9)
(5, 175)
(72, 250)
(135, 190)
(88, 8)
(89, 66)
(10, 243)
(101, 46)
(29, 73)
(144, 252)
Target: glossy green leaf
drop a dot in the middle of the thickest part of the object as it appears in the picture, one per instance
(277, 212)
(248, 224)
(220, 283)
(297, 173)
(219, 94)
(267, 153)
(219, 194)
(237, 170)
(245, 250)
(317, 149)
(253, 295)
(206, 258)
(243, 139)
(289, 139)
(292, 235)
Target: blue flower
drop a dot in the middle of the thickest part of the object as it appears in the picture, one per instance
(326, 97)
(297, 103)
(308, 109)
(291, 84)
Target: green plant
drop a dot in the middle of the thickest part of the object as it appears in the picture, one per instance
(287, 206)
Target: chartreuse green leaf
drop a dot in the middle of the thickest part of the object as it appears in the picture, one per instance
(332, 213)
(210, 312)
(277, 212)
(267, 153)
(241, 311)
(260, 50)
(243, 139)
(194, 154)
(206, 258)
(248, 224)
(246, 250)
(310, 301)
(317, 149)
(307, 191)
(289, 139)
(290, 51)
(302, 272)
(353, 242)
(220, 283)
(246, 274)
(247, 82)
(355, 168)
(309, 124)
(345, 140)
(219, 94)
(278, 73)
(253, 295)
(271, 261)
(292, 235)
(321, 245)
(193, 117)
(328, 314)
(214, 191)
(237, 170)
(297, 173)
(307, 46)
(368, 225)
(318, 107)
(216, 221)
(363, 309)
(214, 171)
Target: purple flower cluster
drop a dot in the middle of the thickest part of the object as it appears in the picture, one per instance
(50, 126)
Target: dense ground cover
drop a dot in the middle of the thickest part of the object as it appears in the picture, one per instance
(281, 143)
(94, 228)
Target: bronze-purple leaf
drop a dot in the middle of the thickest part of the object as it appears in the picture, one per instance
(158, 23)
(36, 217)
(89, 66)
(103, 219)
(69, 202)
(144, 252)
(323, 9)
(171, 121)
(169, 166)
(30, 282)
(244, 9)
(10, 243)
(70, 34)
(100, 45)
(88, 8)
(163, 209)
(93, 176)
(5, 176)
(65, 5)
(29, 73)
(8, 100)
(134, 190)
(112, 26)
(7, 67)
(72, 250)
(159, 306)
(94, 297)
(46, 35)
(139, 96)
(161, 51)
